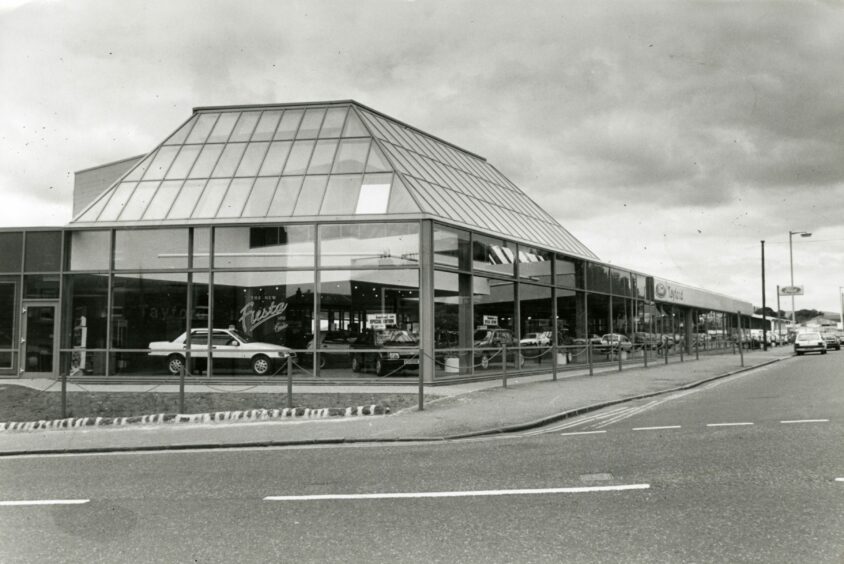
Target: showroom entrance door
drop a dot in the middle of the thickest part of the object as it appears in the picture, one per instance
(39, 358)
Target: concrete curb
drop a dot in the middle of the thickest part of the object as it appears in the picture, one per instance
(595, 407)
(180, 418)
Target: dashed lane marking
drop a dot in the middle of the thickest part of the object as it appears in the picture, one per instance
(806, 421)
(657, 428)
(729, 424)
(43, 502)
(477, 493)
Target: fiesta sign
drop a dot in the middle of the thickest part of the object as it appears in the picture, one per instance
(251, 317)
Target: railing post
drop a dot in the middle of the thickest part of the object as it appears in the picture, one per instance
(619, 356)
(554, 352)
(182, 384)
(290, 382)
(645, 354)
(589, 356)
(697, 350)
(682, 350)
(420, 352)
(64, 393)
(504, 363)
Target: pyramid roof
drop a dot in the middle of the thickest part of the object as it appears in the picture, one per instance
(317, 161)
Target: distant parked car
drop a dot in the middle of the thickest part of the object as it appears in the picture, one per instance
(487, 340)
(614, 342)
(536, 339)
(384, 357)
(832, 340)
(333, 349)
(809, 342)
(225, 344)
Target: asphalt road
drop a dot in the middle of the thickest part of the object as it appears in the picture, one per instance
(747, 469)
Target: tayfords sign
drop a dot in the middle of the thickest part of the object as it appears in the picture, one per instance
(791, 291)
(680, 294)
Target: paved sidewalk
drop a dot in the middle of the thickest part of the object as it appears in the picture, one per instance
(469, 409)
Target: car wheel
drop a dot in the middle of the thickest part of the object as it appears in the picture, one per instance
(322, 361)
(823, 352)
(798, 353)
(175, 364)
(260, 365)
(485, 361)
(357, 365)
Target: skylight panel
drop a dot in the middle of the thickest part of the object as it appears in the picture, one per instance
(203, 127)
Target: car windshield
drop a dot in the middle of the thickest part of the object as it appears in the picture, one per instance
(241, 336)
(394, 337)
(808, 337)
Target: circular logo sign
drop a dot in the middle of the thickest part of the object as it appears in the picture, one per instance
(660, 290)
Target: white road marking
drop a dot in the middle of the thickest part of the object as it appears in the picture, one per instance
(43, 502)
(657, 428)
(477, 493)
(576, 422)
(806, 421)
(839, 479)
(582, 433)
(727, 424)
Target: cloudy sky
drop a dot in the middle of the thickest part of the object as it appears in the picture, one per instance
(670, 137)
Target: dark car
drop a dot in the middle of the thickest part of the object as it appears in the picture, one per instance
(832, 340)
(387, 351)
(333, 349)
(490, 343)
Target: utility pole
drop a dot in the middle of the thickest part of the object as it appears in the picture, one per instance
(764, 321)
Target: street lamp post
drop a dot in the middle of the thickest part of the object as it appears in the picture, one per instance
(791, 266)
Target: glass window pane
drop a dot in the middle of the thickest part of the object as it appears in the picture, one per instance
(621, 285)
(493, 255)
(235, 197)
(118, 200)
(150, 249)
(252, 159)
(494, 322)
(377, 162)
(569, 272)
(289, 125)
(285, 196)
(341, 195)
(89, 250)
(229, 160)
(184, 161)
(211, 198)
(275, 159)
(323, 157)
(369, 244)
(266, 126)
(139, 201)
(271, 246)
(333, 123)
(310, 197)
(203, 126)
(223, 128)
(161, 163)
(245, 126)
(535, 264)
(311, 123)
(163, 199)
(260, 198)
(598, 278)
(201, 247)
(400, 199)
(300, 154)
(452, 248)
(146, 308)
(354, 127)
(374, 194)
(88, 298)
(140, 169)
(41, 286)
(186, 201)
(351, 156)
(179, 137)
(11, 252)
(206, 161)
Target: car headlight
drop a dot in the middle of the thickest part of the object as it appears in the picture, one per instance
(393, 356)
(282, 354)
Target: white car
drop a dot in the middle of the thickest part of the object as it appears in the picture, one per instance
(536, 339)
(225, 344)
(809, 342)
